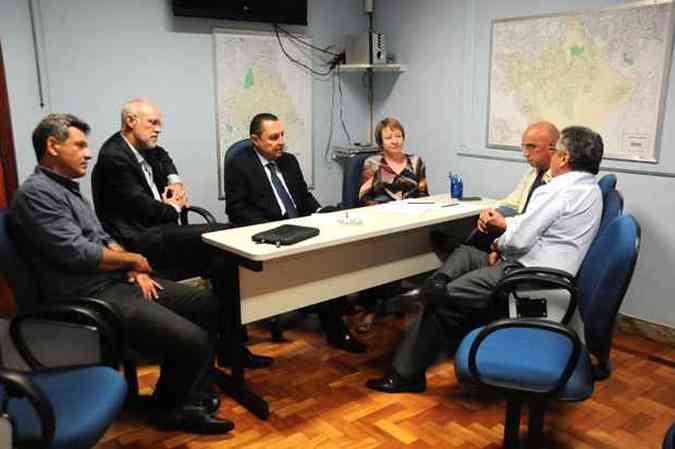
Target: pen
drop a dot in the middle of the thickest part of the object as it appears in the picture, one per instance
(448, 205)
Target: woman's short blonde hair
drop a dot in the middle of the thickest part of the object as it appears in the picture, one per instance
(388, 122)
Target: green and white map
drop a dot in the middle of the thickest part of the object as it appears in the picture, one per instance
(603, 69)
(253, 76)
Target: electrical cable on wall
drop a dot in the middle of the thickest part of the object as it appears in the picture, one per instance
(326, 153)
(303, 42)
(342, 119)
(332, 68)
(330, 64)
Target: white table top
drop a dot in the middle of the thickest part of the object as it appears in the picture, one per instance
(377, 220)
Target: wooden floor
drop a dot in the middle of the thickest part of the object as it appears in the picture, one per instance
(318, 399)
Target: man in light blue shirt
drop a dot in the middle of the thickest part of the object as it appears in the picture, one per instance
(556, 231)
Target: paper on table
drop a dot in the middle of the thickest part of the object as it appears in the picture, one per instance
(413, 207)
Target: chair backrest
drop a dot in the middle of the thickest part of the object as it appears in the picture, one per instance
(15, 269)
(607, 183)
(612, 207)
(669, 439)
(351, 180)
(234, 150)
(603, 280)
(96, 190)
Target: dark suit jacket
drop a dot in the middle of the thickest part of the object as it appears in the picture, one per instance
(123, 200)
(248, 193)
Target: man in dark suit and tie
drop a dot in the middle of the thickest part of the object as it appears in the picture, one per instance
(139, 196)
(264, 183)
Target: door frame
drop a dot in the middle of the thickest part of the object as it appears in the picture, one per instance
(7, 153)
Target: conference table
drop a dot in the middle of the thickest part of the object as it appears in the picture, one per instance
(354, 250)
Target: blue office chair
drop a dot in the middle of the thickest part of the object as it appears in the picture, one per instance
(607, 183)
(669, 439)
(351, 180)
(612, 207)
(66, 407)
(84, 311)
(536, 361)
(234, 150)
(41, 403)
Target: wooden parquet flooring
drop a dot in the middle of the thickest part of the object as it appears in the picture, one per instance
(318, 399)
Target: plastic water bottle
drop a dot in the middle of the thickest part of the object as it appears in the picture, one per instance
(456, 187)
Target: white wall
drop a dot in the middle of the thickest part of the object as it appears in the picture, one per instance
(442, 101)
(100, 53)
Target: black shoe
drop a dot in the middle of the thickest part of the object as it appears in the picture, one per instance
(393, 382)
(191, 419)
(347, 342)
(250, 360)
(435, 289)
(208, 400)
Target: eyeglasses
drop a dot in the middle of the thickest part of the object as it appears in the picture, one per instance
(529, 147)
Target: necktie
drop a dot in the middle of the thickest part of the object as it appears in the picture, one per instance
(286, 200)
(538, 181)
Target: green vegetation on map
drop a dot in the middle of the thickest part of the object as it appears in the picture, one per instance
(248, 79)
(576, 51)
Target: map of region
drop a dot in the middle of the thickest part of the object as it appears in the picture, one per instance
(603, 69)
(253, 76)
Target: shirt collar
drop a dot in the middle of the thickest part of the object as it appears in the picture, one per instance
(139, 156)
(572, 177)
(66, 182)
(547, 176)
(262, 159)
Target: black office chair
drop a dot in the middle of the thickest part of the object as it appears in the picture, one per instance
(536, 361)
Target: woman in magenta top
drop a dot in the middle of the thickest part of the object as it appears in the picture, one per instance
(391, 174)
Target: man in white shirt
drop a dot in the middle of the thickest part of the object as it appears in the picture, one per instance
(555, 231)
(536, 143)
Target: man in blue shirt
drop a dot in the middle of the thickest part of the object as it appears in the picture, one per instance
(58, 232)
(555, 231)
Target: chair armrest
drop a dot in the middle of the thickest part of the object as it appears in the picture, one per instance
(540, 271)
(540, 277)
(19, 385)
(205, 214)
(328, 209)
(544, 326)
(78, 316)
(109, 312)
